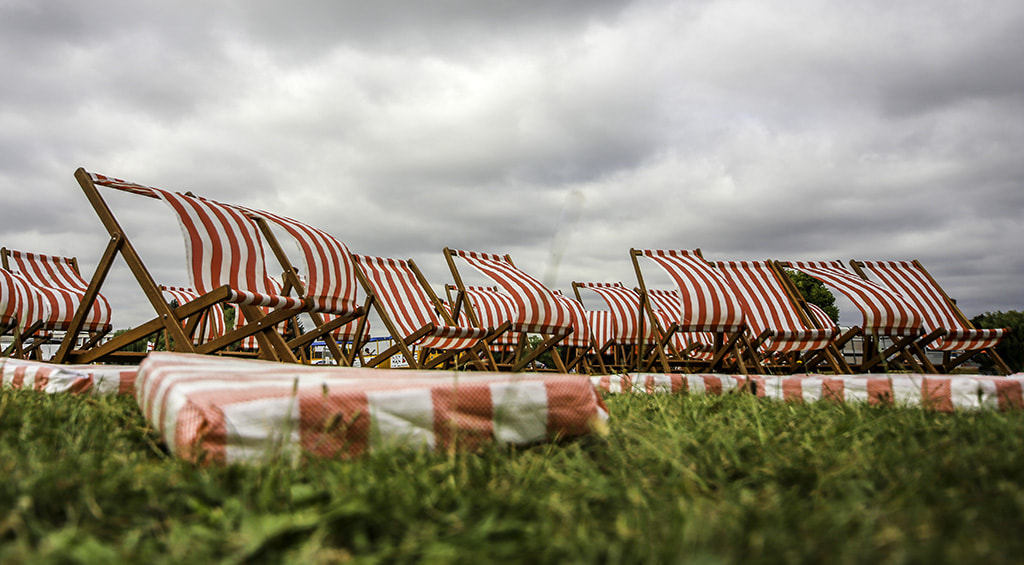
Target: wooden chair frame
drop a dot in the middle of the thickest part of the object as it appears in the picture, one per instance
(171, 321)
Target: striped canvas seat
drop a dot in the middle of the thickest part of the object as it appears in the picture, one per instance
(329, 279)
(602, 328)
(667, 309)
(623, 312)
(324, 276)
(492, 308)
(820, 317)
(580, 336)
(20, 303)
(401, 298)
(212, 324)
(915, 284)
(538, 309)
(222, 246)
(885, 312)
(62, 287)
(225, 264)
(707, 302)
(768, 308)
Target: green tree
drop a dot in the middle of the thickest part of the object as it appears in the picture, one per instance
(815, 292)
(1011, 349)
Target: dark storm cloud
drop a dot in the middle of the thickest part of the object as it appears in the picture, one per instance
(751, 130)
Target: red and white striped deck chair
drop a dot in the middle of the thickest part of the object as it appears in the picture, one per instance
(621, 340)
(414, 316)
(707, 304)
(912, 281)
(491, 309)
(667, 309)
(580, 341)
(324, 275)
(62, 288)
(210, 324)
(538, 309)
(23, 310)
(226, 263)
(777, 315)
(885, 314)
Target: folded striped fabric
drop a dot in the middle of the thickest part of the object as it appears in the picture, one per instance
(220, 410)
(942, 393)
(76, 379)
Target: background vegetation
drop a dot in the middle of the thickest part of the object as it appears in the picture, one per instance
(677, 479)
(1011, 349)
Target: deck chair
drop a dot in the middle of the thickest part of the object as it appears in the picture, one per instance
(226, 265)
(415, 317)
(579, 344)
(538, 309)
(787, 334)
(913, 282)
(666, 307)
(58, 283)
(617, 329)
(491, 309)
(494, 308)
(707, 304)
(886, 316)
(324, 275)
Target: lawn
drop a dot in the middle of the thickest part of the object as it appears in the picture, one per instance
(676, 479)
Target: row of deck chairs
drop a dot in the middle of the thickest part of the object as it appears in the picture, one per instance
(728, 316)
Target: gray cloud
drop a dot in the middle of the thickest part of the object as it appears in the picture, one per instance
(813, 130)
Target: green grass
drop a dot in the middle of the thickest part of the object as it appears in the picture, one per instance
(678, 479)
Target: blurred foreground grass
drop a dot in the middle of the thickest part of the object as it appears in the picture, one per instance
(678, 479)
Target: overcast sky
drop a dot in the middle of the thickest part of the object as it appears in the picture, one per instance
(564, 133)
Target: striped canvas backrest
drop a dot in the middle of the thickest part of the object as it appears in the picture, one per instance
(667, 308)
(537, 308)
(707, 303)
(462, 319)
(820, 317)
(20, 301)
(329, 276)
(602, 327)
(580, 336)
(624, 308)
(56, 279)
(214, 326)
(913, 284)
(222, 245)
(767, 306)
(492, 308)
(885, 312)
(11, 297)
(666, 304)
(398, 292)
